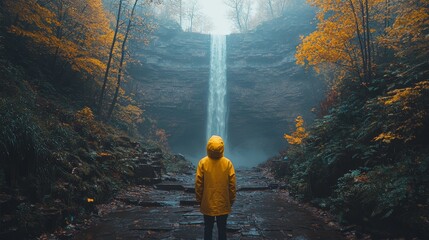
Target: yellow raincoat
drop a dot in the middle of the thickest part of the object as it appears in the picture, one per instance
(215, 180)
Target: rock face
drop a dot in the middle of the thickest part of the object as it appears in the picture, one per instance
(266, 89)
(173, 83)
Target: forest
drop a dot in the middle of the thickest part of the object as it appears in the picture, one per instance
(74, 131)
(366, 155)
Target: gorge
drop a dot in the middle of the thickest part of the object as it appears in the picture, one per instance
(173, 77)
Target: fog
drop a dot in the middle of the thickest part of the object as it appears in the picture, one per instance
(248, 153)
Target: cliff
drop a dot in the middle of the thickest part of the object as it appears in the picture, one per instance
(266, 89)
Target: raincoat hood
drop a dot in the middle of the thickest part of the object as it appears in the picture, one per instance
(215, 147)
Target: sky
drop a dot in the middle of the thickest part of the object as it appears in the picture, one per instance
(217, 11)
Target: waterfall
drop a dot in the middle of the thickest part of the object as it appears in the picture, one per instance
(217, 109)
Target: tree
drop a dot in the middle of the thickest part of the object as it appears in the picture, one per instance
(121, 61)
(170, 10)
(203, 24)
(345, 37)
(240, 13)
(140, 25)
(192, 13)
(109, 61)
(270, 9)
(406, 28)
(59, 29)
(299, 135)
(353, 34)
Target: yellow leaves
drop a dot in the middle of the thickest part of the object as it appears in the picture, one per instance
(397, 96)
(387, 137)
(76, 34)
(90, 65)
(299, 135)
(409, 112)
(131, 114)
(341, 35)
(104, 154)
(401, 95)
(327, 43)
(409, 29)
(85, 114)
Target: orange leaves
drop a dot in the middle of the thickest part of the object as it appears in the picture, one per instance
(328, 44)
(408, 33)
(92, 66)
(345, 36)
(33, 14)
(104, 154)
(404, 95)
(85, 114)
(387, 137)
(64, 29)
(408, 106)
(299, 135)
(345, 27)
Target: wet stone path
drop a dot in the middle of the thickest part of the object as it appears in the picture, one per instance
(169, 211)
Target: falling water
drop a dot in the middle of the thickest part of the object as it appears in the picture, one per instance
(217, 110)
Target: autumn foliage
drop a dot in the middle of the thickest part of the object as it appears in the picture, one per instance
(299, 135)
(75, 37)
(56, 151)
(75, 31)
(366, 155)
(352, 34)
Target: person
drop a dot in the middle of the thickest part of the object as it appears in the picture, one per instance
(215, 187)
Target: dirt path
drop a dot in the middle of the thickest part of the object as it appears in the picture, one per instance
(262, 211)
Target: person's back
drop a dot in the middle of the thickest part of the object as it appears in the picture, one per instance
(215, 187)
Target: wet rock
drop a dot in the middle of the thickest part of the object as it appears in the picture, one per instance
(193, 214)
(148, 167)
(160, 214)
(233, 228)
(151, 227)
(168, 178)
(145, 171)
(253, 188)
(199, 222)
(251, 233)
(169, 187)
(188, 203)
(190, 189)
(300, 238)
(150, 204)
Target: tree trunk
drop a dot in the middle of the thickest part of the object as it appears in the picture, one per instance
(368, 39)
(180, 12)
(365, 41)
(237, 13)
(121, 62)
(109, 61)
(361, 44)
(270, 4)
